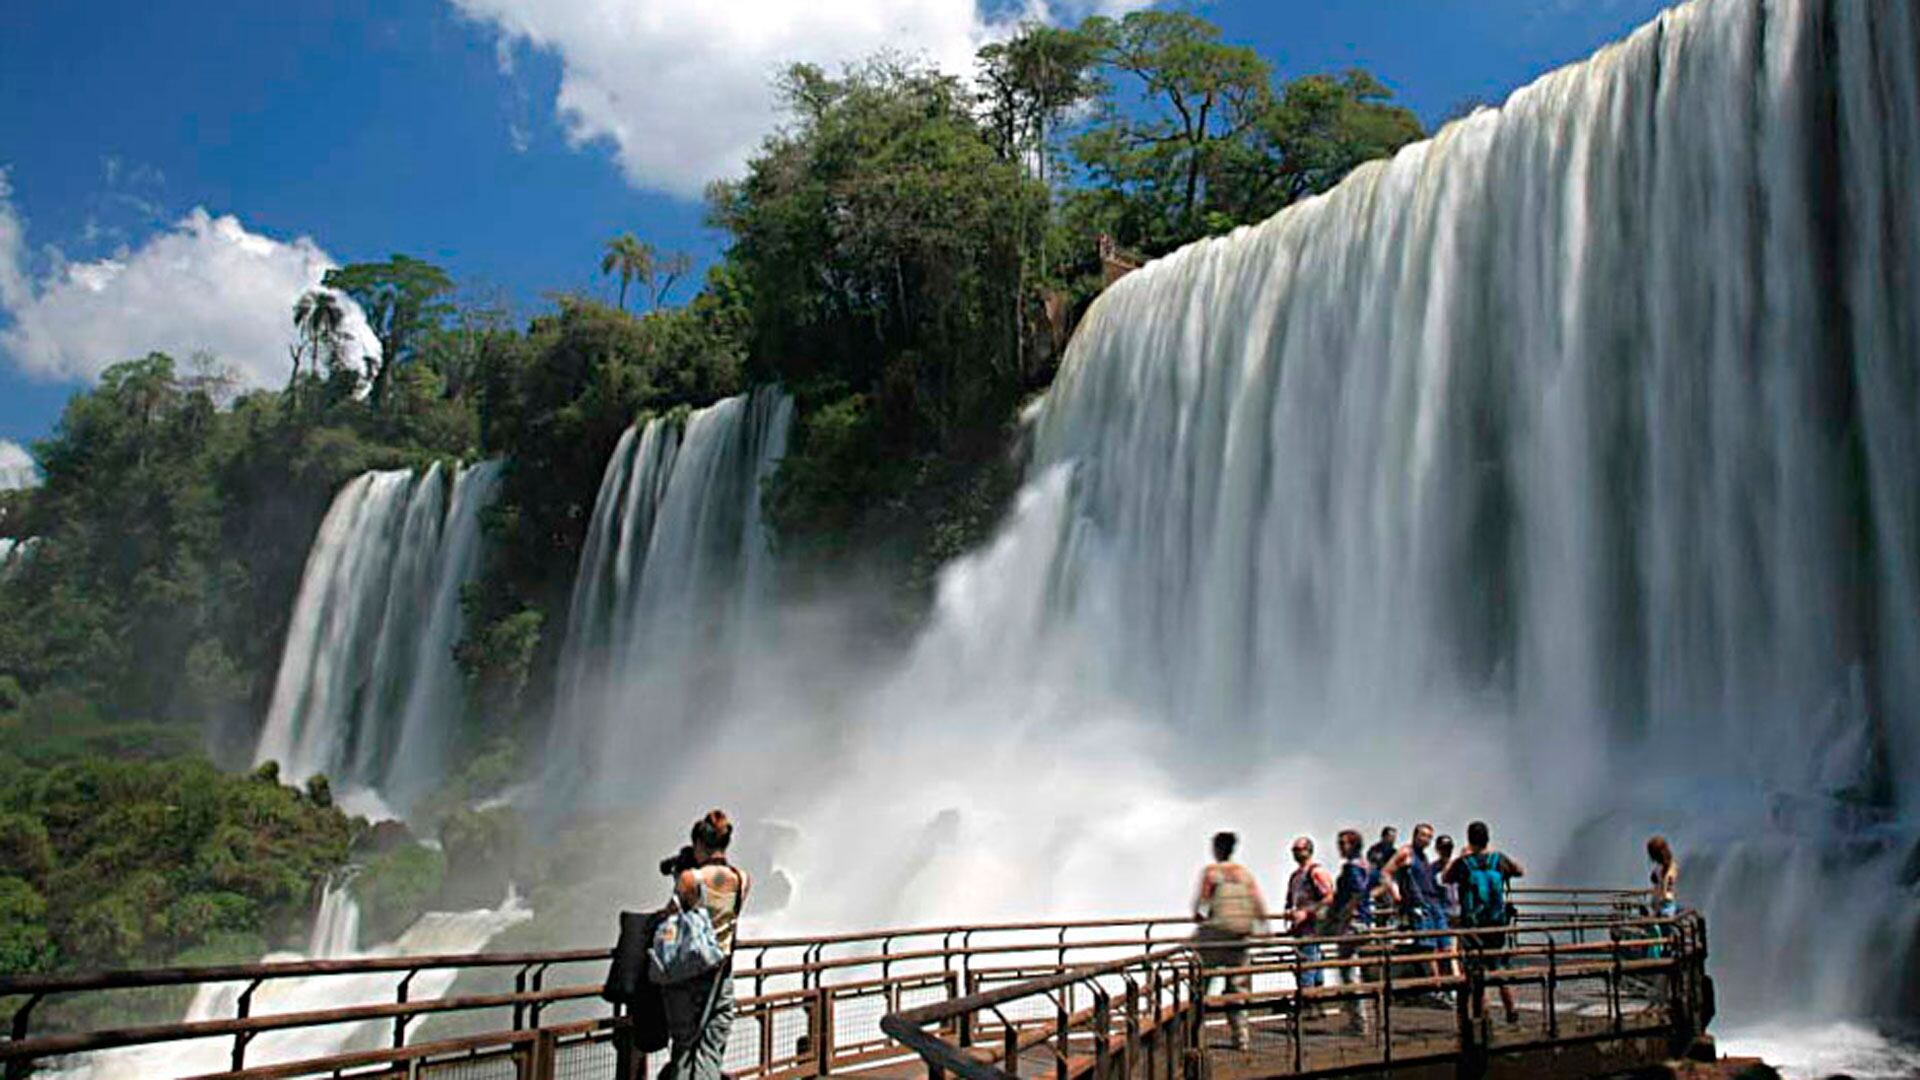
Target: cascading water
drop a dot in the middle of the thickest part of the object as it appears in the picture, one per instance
(335, 936)
(367, 691)
(674, 582)
(1560, 471)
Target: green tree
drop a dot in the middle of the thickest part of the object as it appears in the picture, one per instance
(317, 318)
(630, 259)
(1206, 142)
(1204, 98)
(403, 299)
(1026, 84)
(634, 260)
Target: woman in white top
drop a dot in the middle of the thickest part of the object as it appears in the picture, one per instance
(700, 1010)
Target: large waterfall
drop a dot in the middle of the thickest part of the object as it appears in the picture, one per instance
(368, 692)
(674, 583)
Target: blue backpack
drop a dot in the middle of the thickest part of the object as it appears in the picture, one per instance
(684, 945)
(1483, 898)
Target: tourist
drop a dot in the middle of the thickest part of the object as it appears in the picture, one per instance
(1482, 875)
(1443, 852)
(1449, 892)
(1352, 913)
(700, 1010)
(1379, 853)
(1308, 891)
(1229, 908)
(1666, 883)
(1417, 889)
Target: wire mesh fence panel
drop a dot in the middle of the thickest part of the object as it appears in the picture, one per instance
(584, 1060)
(790, 1026)
(492, 1067)
(913, 997)
(743, 1044)
(856, 1019)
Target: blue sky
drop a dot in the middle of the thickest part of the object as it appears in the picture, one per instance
(175, 173)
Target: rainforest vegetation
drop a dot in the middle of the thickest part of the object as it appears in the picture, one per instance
(907, 256)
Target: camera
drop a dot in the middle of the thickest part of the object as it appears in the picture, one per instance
(673, 865)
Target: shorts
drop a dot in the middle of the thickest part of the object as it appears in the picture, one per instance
(1427, 917)
(1477, 945)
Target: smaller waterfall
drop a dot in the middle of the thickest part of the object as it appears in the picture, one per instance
(14, 552)
(367, 691)
(335, 929)
(675, 578)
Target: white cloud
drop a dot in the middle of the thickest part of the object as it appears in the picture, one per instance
(683, 89)
(17, 467)
(205, 284)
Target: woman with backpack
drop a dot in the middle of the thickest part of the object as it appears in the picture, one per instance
(1482, 875)
(697, 992)
(1229, 908)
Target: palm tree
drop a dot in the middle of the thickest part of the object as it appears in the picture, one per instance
(631, 259)
(317, 317)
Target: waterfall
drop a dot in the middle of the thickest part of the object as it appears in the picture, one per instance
(674, 581)
(1560, 471)
(367, 691)
(335, 930)
(14, 552)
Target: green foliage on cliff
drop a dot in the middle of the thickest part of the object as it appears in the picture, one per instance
(113, 863)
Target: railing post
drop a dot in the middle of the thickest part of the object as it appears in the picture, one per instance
(400, 1022)
(1386, 1005)
(520, 987)
(1553, 981)
(539, 978)
(1474, 990)
(823, 1046)
(1299, 1009)
(623, 1054)
(20, 1068)
(545, 1049)
(1063, 1015)
(242, 1038)
(1102, 1019)
(1613, 979)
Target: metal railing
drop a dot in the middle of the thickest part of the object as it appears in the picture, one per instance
(808, 1006)
(1592, 978)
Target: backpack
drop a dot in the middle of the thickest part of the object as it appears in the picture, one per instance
(1231, 909)
(627, 982)
(685, 945)
(1483, 896)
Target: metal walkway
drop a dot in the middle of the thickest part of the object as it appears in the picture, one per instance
(1596, 982)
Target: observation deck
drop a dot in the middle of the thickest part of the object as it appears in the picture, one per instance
(1601, 989)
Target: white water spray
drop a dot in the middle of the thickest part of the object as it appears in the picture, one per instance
(335, 937)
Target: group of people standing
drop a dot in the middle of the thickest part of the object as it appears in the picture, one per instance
(1430, 888)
